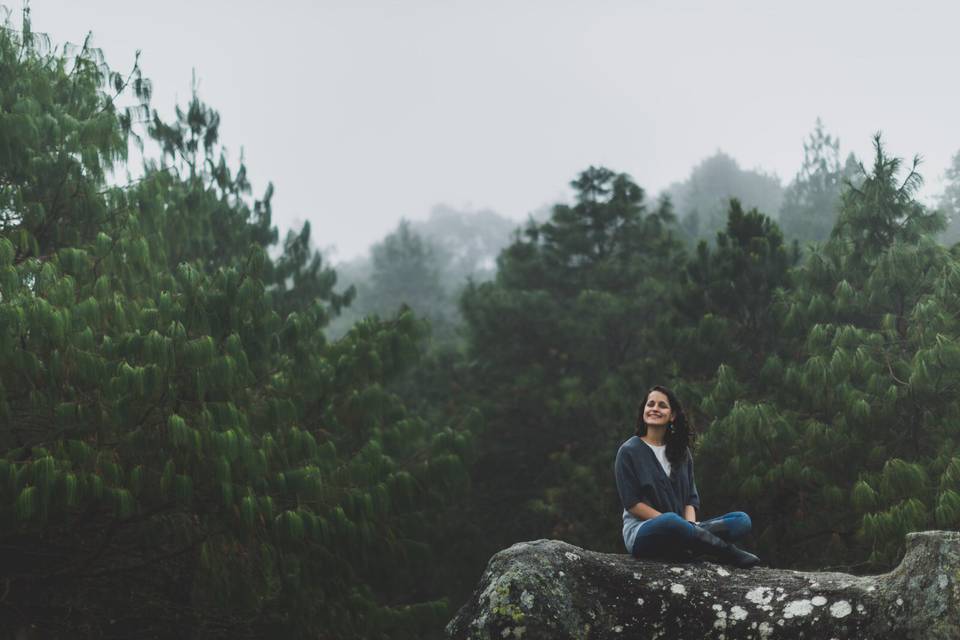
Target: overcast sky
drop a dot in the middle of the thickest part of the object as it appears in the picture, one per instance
(363, 111)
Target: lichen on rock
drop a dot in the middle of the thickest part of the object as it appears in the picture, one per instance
(552, 590)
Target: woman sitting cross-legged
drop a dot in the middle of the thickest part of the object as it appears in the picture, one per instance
(654, 471)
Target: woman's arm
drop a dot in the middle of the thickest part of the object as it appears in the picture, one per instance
(643, 511)
(690, 514)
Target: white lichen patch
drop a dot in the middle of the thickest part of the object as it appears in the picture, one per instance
(797, 608)
(818, 601)
(618, 629)
(516, 632)
(526, 600)
(678, 589)
(722, 572)
(640, 601)
(720, 624)
(860, 608)
(765, 630)
(760, 595)
(676, 569)
(840, 609)
(899, 602)
(738, 613)
(942, 581)
(637, 575)
(571, 556)
(871, 588)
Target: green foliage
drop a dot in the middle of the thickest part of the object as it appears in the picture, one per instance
(882, 210)
(727, 295)
(560, 344)
(182, 451)
(861, 403)
(826, 386)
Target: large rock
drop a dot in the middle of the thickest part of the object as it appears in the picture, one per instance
(550, 589)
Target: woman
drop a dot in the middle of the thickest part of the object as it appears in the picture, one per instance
(654, 471)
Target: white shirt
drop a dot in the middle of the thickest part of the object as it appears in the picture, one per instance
(661, 452)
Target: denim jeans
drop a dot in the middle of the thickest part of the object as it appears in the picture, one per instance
(670, 537)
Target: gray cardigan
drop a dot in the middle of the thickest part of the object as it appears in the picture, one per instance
(640, 478)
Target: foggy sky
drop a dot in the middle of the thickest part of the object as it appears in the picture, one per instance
(364, 111)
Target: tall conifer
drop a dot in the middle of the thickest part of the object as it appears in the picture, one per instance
(840, 453)
(181, 450)
(561, 345)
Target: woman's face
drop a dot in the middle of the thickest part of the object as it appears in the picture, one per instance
(657, 411)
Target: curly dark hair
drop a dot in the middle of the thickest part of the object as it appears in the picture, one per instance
(678, 435)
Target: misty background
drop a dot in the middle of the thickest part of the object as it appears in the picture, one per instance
(362, 113)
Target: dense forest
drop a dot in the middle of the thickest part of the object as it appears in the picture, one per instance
(204, 433)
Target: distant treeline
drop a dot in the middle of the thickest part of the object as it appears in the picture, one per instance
(187, 449)
(426, 264)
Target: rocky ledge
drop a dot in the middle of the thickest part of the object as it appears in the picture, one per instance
(552, 590)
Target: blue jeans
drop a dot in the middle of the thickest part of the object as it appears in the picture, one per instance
(670, 537)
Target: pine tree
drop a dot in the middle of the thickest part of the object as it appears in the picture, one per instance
(727, 296)
(561, 344)
(181, 449)
(846, 447)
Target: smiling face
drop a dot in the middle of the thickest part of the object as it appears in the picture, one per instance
(657, 411)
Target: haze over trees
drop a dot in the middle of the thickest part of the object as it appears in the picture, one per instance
(811, 200)
(187, 449)
(425, 264)
(949, 202)
(468, 241)
(701, 200)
